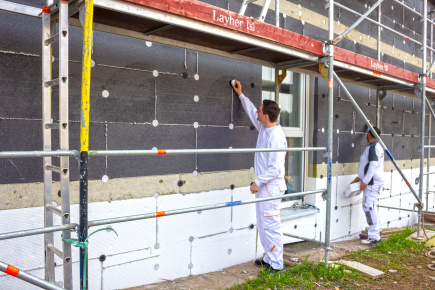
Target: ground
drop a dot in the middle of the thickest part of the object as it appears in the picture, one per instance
(242, 272)
(400, 257)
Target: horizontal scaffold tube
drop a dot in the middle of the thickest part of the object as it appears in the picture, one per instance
(412, 9)
(25, 154)
(428, 173)
(196, 151)
(367, 122)
(397, 208)
(195, 209)
(356, 23)
(377, 23)
(11, 270)
(31, 232)
(302, 238)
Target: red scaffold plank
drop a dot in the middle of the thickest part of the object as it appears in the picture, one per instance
(220, 17)
(223, 18)
(374, 65)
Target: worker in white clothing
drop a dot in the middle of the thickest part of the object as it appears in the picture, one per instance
(269, 167)
(370, 172)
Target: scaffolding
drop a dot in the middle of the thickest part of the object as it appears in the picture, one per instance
(255, 42)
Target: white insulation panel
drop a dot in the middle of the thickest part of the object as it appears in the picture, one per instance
(155, 250)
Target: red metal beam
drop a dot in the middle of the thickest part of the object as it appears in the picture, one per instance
(220, 17)
(223, 18)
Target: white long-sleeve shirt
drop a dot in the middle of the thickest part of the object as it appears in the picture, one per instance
(269, 166)
(371, 165)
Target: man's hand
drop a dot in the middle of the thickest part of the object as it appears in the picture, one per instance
(237, 87)
(254, 188)
(363, 185)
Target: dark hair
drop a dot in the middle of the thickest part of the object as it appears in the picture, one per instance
(378, 131)
(271, 109)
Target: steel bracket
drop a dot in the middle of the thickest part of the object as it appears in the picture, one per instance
(418, 89)
(382, 94)
(323, 59)
(324, 195)
(326, 4)
(421, 78)
(281, 75)
(328, 49)
(324, 69)
(418, 206)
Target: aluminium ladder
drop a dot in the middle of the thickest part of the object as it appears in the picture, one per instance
(49, 36)
(263, 10)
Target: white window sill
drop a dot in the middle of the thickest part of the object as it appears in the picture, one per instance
(291, 213)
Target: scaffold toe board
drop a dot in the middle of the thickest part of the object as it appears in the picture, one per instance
(207, 28)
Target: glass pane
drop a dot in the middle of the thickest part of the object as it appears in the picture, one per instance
(289, 98)
(293, 166)
(268, 84)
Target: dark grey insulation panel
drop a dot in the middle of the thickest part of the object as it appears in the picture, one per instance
(124, 68)
(400, 122)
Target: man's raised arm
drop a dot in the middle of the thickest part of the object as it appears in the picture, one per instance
(249, 107)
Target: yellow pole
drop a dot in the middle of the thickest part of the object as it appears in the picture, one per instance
(84, 135)
(86, 75)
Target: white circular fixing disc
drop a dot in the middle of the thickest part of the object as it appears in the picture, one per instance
(105, 94)
(105, 178)
(155, 123)
(155, 73)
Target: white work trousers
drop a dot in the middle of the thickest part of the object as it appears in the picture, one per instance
(370, 201)
(269, 225)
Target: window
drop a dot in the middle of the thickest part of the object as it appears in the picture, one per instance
(292, 119)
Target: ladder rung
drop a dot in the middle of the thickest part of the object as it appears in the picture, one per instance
(56, 251)
(244, 6)
(51, 125)
(51, 83)
(54, 209)
(51, 40)
(52, 168)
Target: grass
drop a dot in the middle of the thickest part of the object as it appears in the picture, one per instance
(302, 276)
(396, 252)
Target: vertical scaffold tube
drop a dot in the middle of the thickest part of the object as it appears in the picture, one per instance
(428, 163)
(330, 127)
(423, 113)
(430, 119)
(84, 133)
(277, 13)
